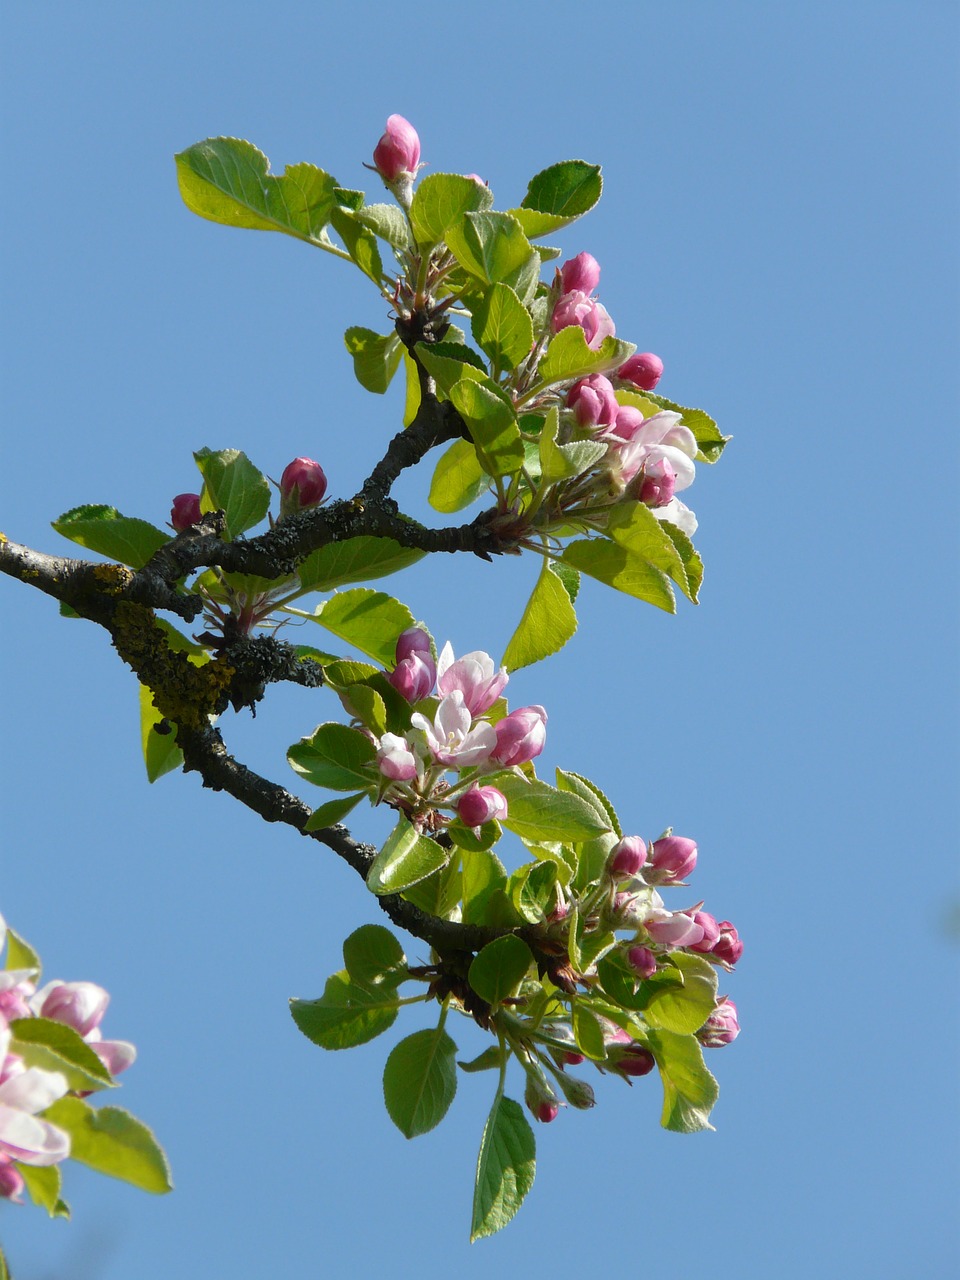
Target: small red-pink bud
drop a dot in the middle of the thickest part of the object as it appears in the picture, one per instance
(398, 151)
(520, 736)
(302, 485)
(414, 677)
(572, 1059)
(658, 483)
(672, 859)
(728, 946)
(11, 1180)
(413, 640)
(185, 511)
(480, 805)
(711, 931)
(593, 401)
(643, 961)
(636, 1061)
(627, 857)
(547, 1111)
(722, 1027)
(644, 370)
(581, 273)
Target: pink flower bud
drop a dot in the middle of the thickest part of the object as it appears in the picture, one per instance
(722, 1027)
(540, 1098)
(414, 677)
(116, 1055)
(302, 485)
(671, 860)
(185, 511)
(643, 961)
(580, 274)
(398, 152)
(11, 1180)
(711, 931)
(635, 1060)
(628, 422)
(593, 319)
(395, 760)
(627, 857)
(520, 736)
(413, 640)
(480, 805)
(80, 1005)
(572, 1059)
(644, 370)
(673, 928)
(728, 946)
(658, 484)
(547, 1111)
(593, 401)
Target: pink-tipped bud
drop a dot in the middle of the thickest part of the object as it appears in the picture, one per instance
(547, 1111)
(635, 1060)
(628, 422)
(728, 946)
(395, 760)
(480, 805)
(11, 1181)
(540, 1097)
(580, 274)
(302, 485)
(414, 677)
(413, 640)
(579, 309)
(644, 370)
(593, 401)
(672, 859)
(116, 1055)
(711, 931)
(397, 154)
(80, 1005)
(722, 1027)
(185, 511)
(658, 484)
(520, 736)
(627, 857)
(673, 928)
(571, 1059)
(643, 961)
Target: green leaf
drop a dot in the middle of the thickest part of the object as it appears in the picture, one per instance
(229, 181)
(491, 1058)
(706, 432)
(232, 484)
(347, 1014)
(160, 751)
(483, 873)
(441, 199)
(684, 1008)
(689, 1090)
(20, 954)
(412, 395)
(692, 564)
(373, 955)
(104, 529)
(439, 894)
(54, 1046)
(405, 858)
(360, 243)
(564, 461)
(388, 222)
(634, 526)
(568, 356)
(547, 623)
(538, 812)
(587, 1031)
(619, 568)
(339, 564)
(492, 423)
(589, 791)
(376, 357)
(559, 195)
(497, 970)
(449, 362)
(532, 890)
(458, 478)
(420, 1081)
(335, 756)
(334, 811)
(370, 620)
(505, 1169)
(502, 326)
(113, 1142)
(43, 1182)
(490, 246)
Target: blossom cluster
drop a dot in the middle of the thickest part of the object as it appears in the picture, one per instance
(459, 736)
(27, 1091)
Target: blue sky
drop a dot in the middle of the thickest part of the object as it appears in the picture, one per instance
(779, 223)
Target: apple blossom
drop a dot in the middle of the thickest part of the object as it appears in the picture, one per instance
(643, 960)
(728, 948)
(414, 677)
(16, 988)
(644, 370)
(646, 439)
(658, 481)
(302, 485)
(672, 858)
(185, 511)
(473, 675)
(81, 1005)
(452, 738)
(520, 736)
(480, 805)
(593, 401)
(627, 857)
(577, 308)
(711, 931)
(23, 1093)
(11, 1180)
(672, 928)
(395, 759)
(580, 274)
(413, 640)
(397, 154)
(722, 1027)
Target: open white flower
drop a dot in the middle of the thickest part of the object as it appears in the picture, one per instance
(451, 738)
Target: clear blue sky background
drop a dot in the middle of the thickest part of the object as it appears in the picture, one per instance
(780, 225)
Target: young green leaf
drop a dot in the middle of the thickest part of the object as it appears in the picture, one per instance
(505, 1169)
(502, 326)
(448, 362)
(104, 529)
(388, 222)
(373, 955)
(590, 792)
(440, 893)
(347, 1014)
(483, 873)
(499, 968)
(441, 199)
(232, 483)
(339, 564)
(335, 756)
(538, 812)
(547, 623)
(706, 432)
(334, 811)
(53, 1046)
(490, 246)
(634, 526)
(405, 858)
(559, 195)
(587, 1031)
(228, 180)
(376, 357)
(20, 954)
(43, 1183)
(683, 1008)
(689, 1090)
(568, 356)
(360, 243)
(369, 620)
(620, 568)
(488, 1060)
(458, 478)
(113, 1142)
(160, 751)
(492, 424)
(420, 1081)
(564, 461)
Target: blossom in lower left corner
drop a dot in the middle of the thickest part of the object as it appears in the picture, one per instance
(24, 1136)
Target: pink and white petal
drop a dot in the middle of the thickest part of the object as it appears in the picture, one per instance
(33, 1090)
(116, 1055)
(30, 1140)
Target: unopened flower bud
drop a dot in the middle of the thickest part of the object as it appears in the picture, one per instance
(579, 309)
(672, 859)
(520, 736)
(711, 931)
(635, 1060)
(480, 805)
(722, 1027)
(11, 1181)
(302, 485)
(185, 511)
(80, 1005)
(627, 857)
(413, 640)
(395, 760)
(643, 961)
(644, 370)
(658, 483)
(673, 928)
(577, 1092)
(581, 274)
(414, 677)
(728, 946)
(539, 1097)
(398, 151)
(593, 401)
